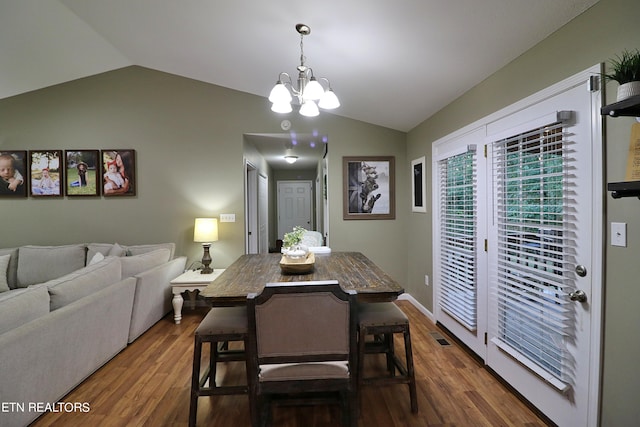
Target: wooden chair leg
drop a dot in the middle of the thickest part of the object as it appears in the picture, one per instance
(410, 371)
(195, 381)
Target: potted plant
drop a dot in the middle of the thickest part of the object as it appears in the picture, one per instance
(291, 243)
(625, 69)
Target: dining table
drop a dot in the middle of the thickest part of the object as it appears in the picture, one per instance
(251, 272)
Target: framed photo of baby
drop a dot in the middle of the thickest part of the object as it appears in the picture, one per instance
(83, 172)
(45, 173)
(368, 187)
(118, 173)
(13, 173)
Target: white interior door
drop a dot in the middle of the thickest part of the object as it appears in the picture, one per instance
(294, 205)
(545, 241)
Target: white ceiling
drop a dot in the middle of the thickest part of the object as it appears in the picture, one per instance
(391, 63)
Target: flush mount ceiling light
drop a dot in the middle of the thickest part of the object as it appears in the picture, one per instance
(291, 159)
(310, 93)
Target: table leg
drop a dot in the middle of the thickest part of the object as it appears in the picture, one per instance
(177, 302)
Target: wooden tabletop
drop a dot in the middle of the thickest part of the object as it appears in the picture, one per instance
(353, 270)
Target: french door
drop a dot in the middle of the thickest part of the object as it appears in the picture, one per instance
(537, 248)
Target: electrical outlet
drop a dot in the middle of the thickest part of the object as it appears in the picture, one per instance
(426, 279)
(619, 234)
(227, 217)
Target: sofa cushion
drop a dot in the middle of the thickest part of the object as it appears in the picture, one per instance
(20, 306)
(12, 269)
(83, 282)
(4, 266)
(37, 264)
(95, 248)
(132, 265)
(143, 249)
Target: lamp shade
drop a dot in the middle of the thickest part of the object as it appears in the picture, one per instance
(205, 230)
(329, 100)
(309, 109)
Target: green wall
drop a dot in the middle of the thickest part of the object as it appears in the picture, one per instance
(188, 137)
(189, 144)
(595, 36)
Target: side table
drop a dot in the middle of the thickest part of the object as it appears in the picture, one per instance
(191, 280)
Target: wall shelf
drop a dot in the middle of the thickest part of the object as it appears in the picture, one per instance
(624, 189)
(627, 107)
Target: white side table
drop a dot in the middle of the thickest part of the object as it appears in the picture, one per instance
(189, 281)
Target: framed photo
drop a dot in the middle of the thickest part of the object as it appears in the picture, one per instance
(45, 173)
(368, 187)
(118, 173)
(82, 171)
(418, 185)
(13, 174)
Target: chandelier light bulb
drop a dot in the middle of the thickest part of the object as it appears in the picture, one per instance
(313, 90)
(329, 100)
(309, 109)
(282, 107)
(280, 94)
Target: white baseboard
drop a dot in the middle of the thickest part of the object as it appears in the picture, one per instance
(419, 306)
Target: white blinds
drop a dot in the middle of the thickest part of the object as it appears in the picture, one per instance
(458, 261)
(535, 247)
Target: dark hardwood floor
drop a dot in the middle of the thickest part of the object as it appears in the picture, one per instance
(148, 384)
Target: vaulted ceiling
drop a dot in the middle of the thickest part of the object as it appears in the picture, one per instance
(391, 63)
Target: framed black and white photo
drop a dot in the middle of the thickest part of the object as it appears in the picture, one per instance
(418, 185)
(368, 187)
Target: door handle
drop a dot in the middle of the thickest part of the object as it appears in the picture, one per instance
(578, 295)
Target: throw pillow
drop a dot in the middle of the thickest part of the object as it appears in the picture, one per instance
(4, 266)
(96, 258)
(116, 250)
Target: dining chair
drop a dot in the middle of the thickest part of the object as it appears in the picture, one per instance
(302, 348)
(219, 327)
(383, 320)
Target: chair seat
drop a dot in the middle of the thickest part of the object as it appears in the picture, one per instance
(223, 321)
(303, 371)
(381, 314)
(383, 320)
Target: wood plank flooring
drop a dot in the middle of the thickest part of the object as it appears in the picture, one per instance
(148, 384)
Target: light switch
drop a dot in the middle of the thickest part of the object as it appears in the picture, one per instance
(619, 234)
(227, 217)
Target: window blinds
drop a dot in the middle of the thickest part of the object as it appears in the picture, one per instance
(458, 263)
(535, 247)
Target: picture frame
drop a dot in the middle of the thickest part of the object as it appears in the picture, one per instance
(46, 177)
(82, 169)
(368, 187)
(13, 173)
(418, 185)
(121, 179)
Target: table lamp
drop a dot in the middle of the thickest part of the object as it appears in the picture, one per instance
(205, 232)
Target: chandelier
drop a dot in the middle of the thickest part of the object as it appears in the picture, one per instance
(309, 93)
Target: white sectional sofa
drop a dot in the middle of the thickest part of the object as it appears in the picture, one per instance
(67, 310)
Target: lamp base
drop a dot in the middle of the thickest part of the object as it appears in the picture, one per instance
(206, 260)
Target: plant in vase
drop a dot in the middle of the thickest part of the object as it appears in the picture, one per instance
(625, 69)
(291, 244)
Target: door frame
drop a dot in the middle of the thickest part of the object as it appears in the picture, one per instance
(251, 207)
